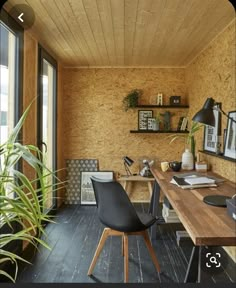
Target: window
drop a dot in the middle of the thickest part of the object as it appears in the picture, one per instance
(7, 83)
(11, 43)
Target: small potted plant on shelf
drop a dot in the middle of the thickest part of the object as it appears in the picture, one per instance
(157, 123)
(131, 100)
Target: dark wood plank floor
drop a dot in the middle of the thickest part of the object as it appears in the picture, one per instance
(73, 241)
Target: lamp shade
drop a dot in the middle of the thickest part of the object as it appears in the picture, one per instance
(128, 161)
(206, 114)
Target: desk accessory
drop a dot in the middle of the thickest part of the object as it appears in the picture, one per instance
(216, 200)
(231, 207)
(175, 165)
(145, 172)
(127, 163)
(164, 166)
(187, 160)
(201, 166)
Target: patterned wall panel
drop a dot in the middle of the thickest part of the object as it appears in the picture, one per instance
(74, 169)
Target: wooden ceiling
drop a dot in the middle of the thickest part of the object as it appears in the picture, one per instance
(111, 33)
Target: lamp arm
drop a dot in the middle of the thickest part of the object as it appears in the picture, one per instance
(220, 110)
(127, 170)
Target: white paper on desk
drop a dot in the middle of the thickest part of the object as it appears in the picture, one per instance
(199, 180)
(172, 181)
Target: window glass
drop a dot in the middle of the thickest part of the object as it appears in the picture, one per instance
(7, 82)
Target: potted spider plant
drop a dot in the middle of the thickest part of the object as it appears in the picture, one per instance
(21, 198)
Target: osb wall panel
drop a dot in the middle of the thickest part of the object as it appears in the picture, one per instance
(96, 125)
(212, 74)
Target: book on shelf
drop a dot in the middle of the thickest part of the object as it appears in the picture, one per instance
(184, 124)
(180, 123)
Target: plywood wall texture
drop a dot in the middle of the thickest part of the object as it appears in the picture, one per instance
(212, 74)
(96, 125)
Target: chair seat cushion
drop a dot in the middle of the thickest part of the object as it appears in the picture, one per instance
(146, 219)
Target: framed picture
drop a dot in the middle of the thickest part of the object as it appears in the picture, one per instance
(230, 141)
(142, 118)
(86, 188)
(211, 134)
(151, 123)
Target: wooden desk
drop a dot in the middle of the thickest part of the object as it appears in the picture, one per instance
(137, 178)
(206, 225)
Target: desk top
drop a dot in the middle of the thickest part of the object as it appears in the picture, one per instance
(135, 178)
(205, 224)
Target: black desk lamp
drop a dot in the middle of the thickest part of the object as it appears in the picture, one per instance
(206, 116)
(127, 163)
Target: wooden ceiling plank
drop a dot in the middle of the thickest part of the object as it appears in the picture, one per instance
(130, 20)
(61, 25)
(47, 31)
(81, 49)
(118, 16)
(128, 32)
(92, 12)
(104, 8)
(170, 48)
(143, 15)
(38, 27)
(160, 40)
(222, 16)
(151, 28)
(82, 18)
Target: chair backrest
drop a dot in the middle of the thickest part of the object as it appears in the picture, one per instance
(114, 207)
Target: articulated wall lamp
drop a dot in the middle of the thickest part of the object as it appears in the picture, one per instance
(206, 114)
(127, 163)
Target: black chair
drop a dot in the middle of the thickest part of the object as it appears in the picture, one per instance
(119, 216)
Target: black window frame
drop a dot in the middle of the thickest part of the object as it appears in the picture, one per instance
(43, 54)
(9, 23)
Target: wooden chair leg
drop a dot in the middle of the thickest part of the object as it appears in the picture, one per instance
(151, 250)
(126, 258)
(122, 247)
(101, 243)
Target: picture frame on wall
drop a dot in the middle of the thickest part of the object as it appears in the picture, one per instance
(230, 141)
(86, 188)
(211, 134)
(143, 115)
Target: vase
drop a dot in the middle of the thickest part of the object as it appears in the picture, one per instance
(187, 160)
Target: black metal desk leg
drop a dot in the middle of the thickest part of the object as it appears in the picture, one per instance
(153, 208)
(193, 273)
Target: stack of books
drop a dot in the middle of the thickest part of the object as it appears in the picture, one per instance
(193, 181)
(168, 213)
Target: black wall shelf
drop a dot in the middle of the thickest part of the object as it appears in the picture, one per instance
(155, 132)
(163, 106)
(217, 155)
